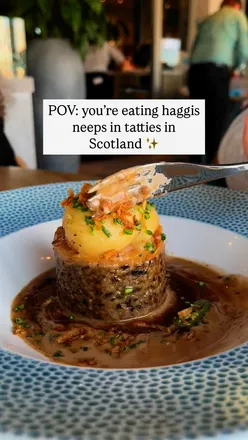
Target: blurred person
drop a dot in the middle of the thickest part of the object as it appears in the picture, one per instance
(98, 58)
(220, 47)
(96, 64)
(234, 149)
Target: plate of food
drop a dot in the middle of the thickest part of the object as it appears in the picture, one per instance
(125, 323)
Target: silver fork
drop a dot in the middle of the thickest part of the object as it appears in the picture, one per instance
(173, 176)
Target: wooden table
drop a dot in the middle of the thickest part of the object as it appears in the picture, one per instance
(15, 177)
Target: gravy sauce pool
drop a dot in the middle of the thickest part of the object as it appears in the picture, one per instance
(38, 318)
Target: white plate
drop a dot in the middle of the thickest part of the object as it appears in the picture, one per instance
(27, 253)
(189, 401)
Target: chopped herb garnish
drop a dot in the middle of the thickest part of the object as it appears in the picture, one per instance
(75, 203)
(149, 232)
(150, 247)
(140, 255)
(128, 290)
(70, 221)
(22, 322)
(202, 284)
(82, 208)
(147, 215)
(101, 333)
(227, 279)
(85, 348)
(112, 341)
(106, 231)
(92, 229)
(89, 220)
(135, 345)
(163, 237)
(139, 226)
(17, 308)
(141, 210)
(118, 221)
(149, 206)
(128, 231)
(199, 310)
(72, 317)
(78, 206)
(58, 354)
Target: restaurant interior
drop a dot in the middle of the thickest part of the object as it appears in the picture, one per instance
(150, 43)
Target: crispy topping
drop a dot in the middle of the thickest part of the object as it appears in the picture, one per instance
(81, 198)
(109, 255)
(71, 335)
(69, 199)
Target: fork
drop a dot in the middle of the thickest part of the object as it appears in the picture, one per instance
(169, 176)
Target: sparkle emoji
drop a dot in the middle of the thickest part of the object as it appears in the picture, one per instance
(152, 144)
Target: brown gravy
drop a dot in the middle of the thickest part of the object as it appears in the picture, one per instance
(39, 320)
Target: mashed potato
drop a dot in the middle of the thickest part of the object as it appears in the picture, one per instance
(93, 237)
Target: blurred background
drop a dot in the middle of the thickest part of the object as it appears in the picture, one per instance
(95, 49)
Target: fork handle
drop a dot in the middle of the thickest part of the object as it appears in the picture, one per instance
(185, 175)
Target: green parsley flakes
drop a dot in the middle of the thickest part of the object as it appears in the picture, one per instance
(128, 231)
(18, 308)
(147, 213)
(77, 205)
(149, 232)
(112, 341)
(58, 354)
(106, 231)
(21, 322)
(149, 206)
(163, 237)
(150, 247)
(118, 221)
(135, 345)
(128, 290)
(89, 220)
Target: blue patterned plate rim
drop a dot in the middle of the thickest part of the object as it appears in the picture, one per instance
(203, 399)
